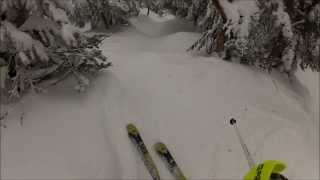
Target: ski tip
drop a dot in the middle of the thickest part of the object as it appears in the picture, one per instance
(131, 128)
(233, 121)
(160, 147)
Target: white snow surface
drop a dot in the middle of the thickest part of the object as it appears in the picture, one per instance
(173, 96)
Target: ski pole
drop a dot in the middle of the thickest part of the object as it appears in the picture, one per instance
(269, 170)
(246, 151)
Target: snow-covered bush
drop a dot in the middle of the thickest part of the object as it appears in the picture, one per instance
(103, 13)
(39, 43)
(177, 7)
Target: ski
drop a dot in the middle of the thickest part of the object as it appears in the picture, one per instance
(135, 137)
(171, 164)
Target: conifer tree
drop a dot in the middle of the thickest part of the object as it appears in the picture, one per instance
(281, 34)
(38, 42)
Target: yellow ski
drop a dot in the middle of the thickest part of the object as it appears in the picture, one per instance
(135, 137)
(166, 156)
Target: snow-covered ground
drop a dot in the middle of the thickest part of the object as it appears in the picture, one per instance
(173, 96)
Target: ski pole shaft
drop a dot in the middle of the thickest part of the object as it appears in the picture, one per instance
(245, 149)
(274, 176)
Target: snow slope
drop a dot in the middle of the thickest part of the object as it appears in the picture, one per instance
(177, 97)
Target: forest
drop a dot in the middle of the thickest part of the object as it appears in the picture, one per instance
(101, 89)
(49, 39)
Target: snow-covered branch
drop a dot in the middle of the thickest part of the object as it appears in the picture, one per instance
(273, 34)
(45, 46)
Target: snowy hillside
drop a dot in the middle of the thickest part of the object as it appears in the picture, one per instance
(180, 98)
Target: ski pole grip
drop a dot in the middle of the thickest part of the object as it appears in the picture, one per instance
(268, 170)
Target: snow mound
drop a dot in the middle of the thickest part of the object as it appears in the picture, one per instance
(177, 42)
(155, 17)
(153, 28)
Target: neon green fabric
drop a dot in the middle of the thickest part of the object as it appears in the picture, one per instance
(263, 171)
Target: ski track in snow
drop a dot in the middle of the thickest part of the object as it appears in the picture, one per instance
(172, 96)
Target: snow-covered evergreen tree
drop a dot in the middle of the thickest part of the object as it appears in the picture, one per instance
(38, 42)
(270, 42)
(213, 19)
(177, 7)
(104, 13)
(269, 34)
(306, 25)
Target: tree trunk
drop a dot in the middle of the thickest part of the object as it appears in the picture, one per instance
(217, 4)
(220, 39)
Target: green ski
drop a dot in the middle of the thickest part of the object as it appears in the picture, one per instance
(166, 156)
(135, 137)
